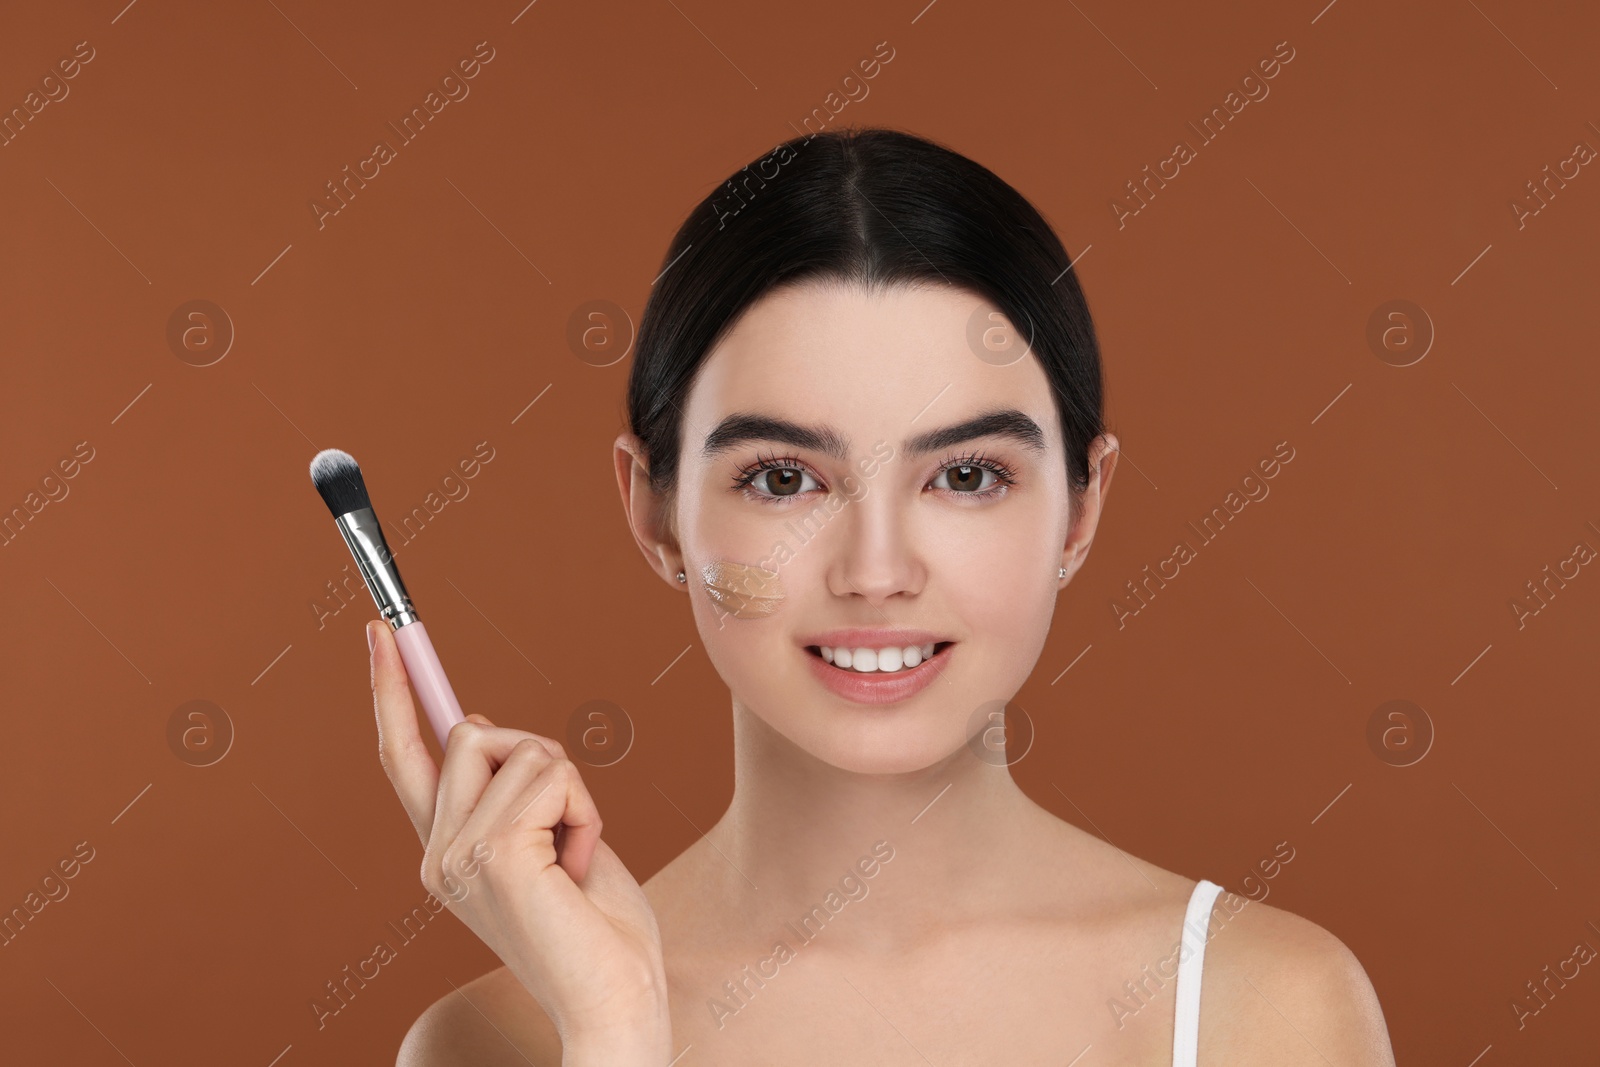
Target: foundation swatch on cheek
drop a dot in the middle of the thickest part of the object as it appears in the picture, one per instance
(743, 591)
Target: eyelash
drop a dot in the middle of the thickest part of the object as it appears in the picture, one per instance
(1004, 475)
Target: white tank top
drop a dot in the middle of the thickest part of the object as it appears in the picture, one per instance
(1186, 1021)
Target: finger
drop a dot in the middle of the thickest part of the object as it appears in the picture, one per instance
(490, 822)
(557, 798)
(534, 794)
(473, 753)
(404, 756)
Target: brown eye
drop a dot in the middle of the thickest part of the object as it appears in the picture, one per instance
(966, 478)
(774, 482)
(782, 481)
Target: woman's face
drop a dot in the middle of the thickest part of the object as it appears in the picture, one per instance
(865, 526)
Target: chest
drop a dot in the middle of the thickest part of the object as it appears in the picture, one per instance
(1019, 999)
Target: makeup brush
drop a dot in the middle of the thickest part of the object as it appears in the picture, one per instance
(338, 479)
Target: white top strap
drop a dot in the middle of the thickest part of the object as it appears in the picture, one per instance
(1186, 1021)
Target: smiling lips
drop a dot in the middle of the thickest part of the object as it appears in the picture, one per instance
(876, 665)
(887, 660)
(860, 685)
(877, 649)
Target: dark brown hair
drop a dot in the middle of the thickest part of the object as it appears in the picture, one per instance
(874, 207)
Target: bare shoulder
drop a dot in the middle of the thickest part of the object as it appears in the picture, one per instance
(1278, 989)
(492, 1020)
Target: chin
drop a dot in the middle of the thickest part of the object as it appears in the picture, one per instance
(882, 741)
(886, 763)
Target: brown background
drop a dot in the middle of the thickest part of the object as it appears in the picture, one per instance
(432, 310)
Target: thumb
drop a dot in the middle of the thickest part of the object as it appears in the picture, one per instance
(483, 719)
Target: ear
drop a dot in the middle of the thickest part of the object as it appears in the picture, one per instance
(649, 513)
(1103, 454)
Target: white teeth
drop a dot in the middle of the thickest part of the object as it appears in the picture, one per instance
(884, 660)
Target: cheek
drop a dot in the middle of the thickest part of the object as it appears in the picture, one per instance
(749, 640)
(737, 553)
(742, 590)
(1000, 579)
(740, 586)
(1009, 554)
(717, 524)
(753, 656)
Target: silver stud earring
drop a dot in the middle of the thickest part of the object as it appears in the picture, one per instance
(1063, 573)
(684, 577)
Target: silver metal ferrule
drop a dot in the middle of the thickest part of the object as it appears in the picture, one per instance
(362, 533)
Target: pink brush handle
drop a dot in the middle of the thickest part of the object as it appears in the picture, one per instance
(427, 678)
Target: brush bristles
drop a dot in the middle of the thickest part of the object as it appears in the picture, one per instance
(337, 477)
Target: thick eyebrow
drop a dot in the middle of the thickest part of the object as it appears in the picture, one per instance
(741, 428)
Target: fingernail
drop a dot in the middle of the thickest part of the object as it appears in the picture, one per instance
(372, 638)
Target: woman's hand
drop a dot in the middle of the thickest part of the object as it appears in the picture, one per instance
(512, 846)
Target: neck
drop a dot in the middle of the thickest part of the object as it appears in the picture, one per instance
(955, 835)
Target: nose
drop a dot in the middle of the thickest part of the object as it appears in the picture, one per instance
(875, 555)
